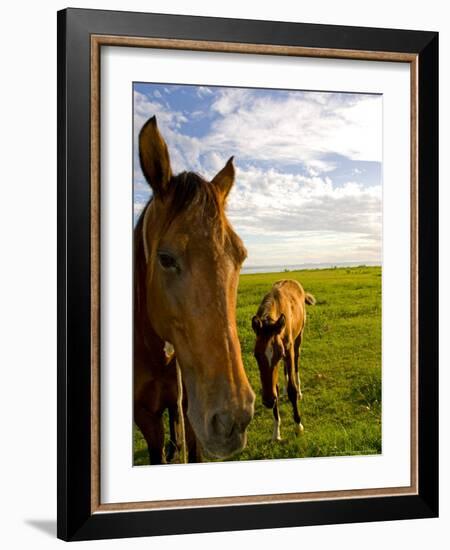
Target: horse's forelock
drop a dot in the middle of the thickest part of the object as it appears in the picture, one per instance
(188, 188)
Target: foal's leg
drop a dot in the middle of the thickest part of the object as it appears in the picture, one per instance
(152, 428)
(293, 391)
(286, 380)
(297, 344)
(276, 436)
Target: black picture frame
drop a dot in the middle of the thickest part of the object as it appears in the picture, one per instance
(75, 518)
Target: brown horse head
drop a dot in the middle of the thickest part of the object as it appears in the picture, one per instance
(193, 263)
(269, 350)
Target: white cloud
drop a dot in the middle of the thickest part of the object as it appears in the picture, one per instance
(230, 100)
(313, 248)
(316, 167)
(203, 91)
(213, 162)
(196, 115)
(298, 128)
(144, 108)
(285, 202)
(306, 218)
(138, 207)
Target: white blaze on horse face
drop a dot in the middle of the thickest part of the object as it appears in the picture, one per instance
(276, 436)
(269, 353)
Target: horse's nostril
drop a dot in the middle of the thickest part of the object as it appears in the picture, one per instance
(223, 423)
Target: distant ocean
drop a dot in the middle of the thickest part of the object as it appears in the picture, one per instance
(298, 267)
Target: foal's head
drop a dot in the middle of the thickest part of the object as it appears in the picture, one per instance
(269, 350)
(193, 263)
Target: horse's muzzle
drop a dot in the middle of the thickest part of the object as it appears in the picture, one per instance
(226, 433)
(225, 424)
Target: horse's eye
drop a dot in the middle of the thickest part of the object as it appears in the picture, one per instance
(167, 261)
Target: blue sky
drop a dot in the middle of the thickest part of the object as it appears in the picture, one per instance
(308, 165)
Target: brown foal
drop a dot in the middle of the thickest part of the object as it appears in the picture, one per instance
(278, 325)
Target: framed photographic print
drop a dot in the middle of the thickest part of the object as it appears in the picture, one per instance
(247, 252)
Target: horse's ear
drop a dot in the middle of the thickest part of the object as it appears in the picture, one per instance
(256, 324)
(224, 179)
(154, 157)
(280, 324)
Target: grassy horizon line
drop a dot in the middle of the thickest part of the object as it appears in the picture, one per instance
(281, 269)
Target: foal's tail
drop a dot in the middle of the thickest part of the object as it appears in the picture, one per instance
(309, 299)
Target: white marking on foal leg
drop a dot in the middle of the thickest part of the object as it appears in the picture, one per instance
(276, 436)
(299, 429)
(300, 395)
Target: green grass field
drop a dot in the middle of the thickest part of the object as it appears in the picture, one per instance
(340, 367)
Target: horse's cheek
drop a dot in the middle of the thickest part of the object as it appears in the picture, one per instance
(157, 315)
